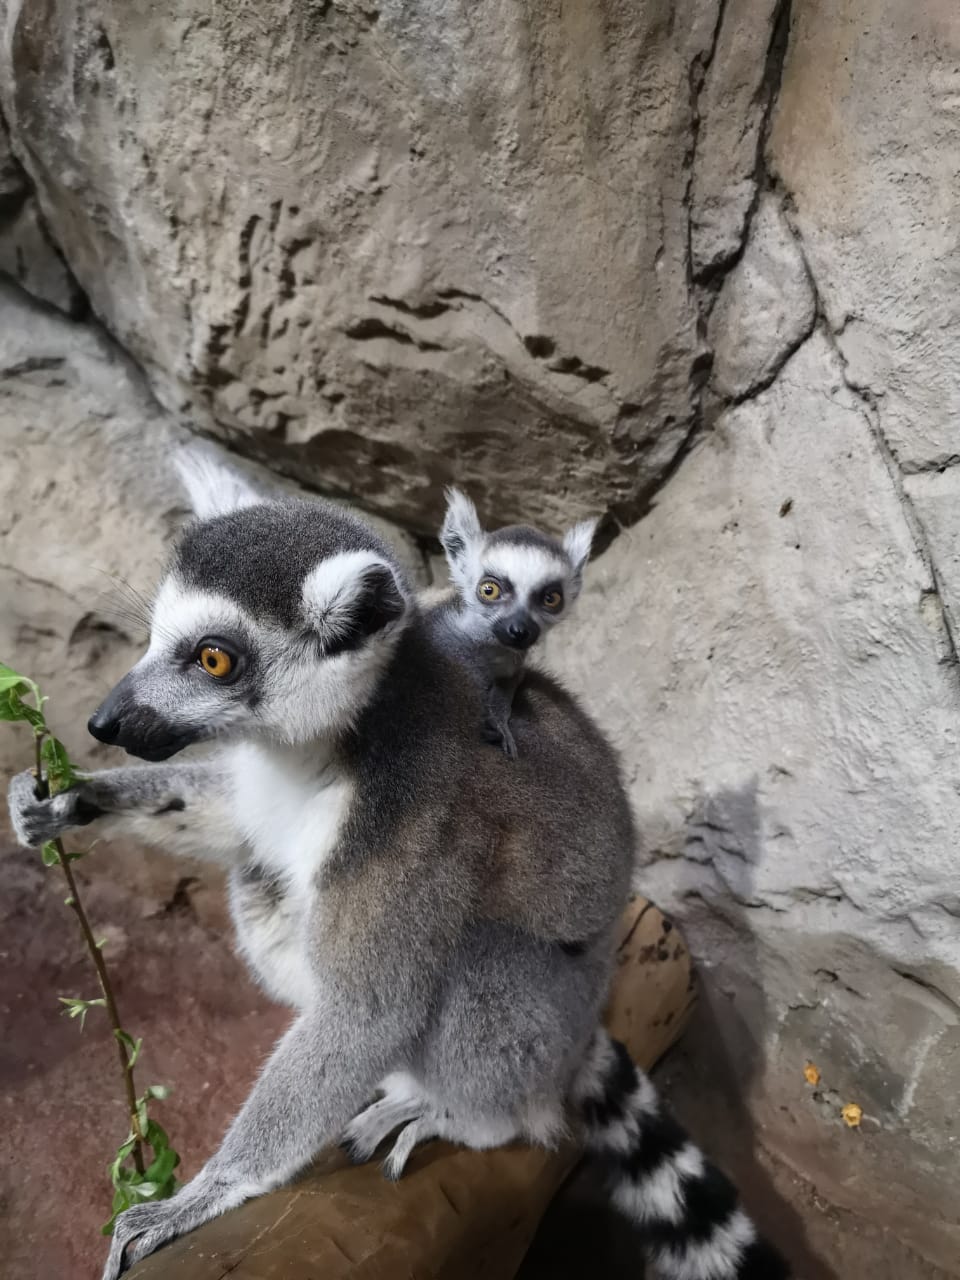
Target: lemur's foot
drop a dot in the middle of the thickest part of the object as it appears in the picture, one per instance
(420, 1130)
(500, 736)
(366, 1131)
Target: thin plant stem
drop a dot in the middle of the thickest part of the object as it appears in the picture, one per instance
(96, 955)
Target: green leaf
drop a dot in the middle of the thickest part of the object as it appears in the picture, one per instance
(143, 1190)
(79, 1008)
(13, 707)
(121, 1175)
(142, 1117)
(75, 1006)
(9, 678)
(160, 1169)
(121, 1200)
(13, 686)
(60, 772)
(117, 1171)
(156, 1136)
(132, 1046)
(49, 854)
(158, 1091)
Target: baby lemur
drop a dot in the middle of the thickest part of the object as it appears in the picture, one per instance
(509, 587)
(442, 920)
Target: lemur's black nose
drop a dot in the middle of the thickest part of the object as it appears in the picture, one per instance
(518, 632)
(104, 725)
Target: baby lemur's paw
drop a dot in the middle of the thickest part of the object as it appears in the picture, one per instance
(35, 821)
(500, 736)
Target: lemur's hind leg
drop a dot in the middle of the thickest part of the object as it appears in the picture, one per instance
(422, 1129)
(402, 1101)
(479, 1132)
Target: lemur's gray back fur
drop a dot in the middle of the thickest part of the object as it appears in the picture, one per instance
(442, 918)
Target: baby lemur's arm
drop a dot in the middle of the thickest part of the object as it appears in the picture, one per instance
(496, 728)
(180, 807)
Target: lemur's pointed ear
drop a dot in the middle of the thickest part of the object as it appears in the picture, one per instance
(351, 596)
(461, 526)
(577, 543)
(213, 489)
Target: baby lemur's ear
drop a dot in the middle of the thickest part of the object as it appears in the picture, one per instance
(350, 597)
(213, 489)
(461, 527)
(577, 543)
(461, 537)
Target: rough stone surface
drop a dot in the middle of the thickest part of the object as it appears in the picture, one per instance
(386, 246)
(787, 713)
(13, 181)
(865, 139)
(27, 254)
(731, 100)
(765, 309)
(564, 256)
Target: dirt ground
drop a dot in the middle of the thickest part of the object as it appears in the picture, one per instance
(206, 1030)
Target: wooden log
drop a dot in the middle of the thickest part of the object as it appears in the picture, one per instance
(455, 1214)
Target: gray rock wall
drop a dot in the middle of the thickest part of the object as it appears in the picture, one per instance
(692, 266)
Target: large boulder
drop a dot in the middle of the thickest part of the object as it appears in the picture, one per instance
(27, 254)
(386, 247)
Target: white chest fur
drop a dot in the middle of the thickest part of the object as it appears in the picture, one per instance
(289, 806)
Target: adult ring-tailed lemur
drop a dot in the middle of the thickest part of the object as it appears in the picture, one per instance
(442, 918)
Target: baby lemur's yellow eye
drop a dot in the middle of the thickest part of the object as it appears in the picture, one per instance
(217, 662)
(552, 600)
(489, 590)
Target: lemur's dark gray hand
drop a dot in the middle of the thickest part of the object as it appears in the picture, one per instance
(36, 820)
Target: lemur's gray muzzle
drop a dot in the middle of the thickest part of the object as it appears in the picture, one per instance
(122, 721)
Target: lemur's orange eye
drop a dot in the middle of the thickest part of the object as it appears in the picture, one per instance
(489, 590)
(216, 662)
(552, 600)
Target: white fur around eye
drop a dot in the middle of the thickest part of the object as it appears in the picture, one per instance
(527, 567)
(180, 613)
